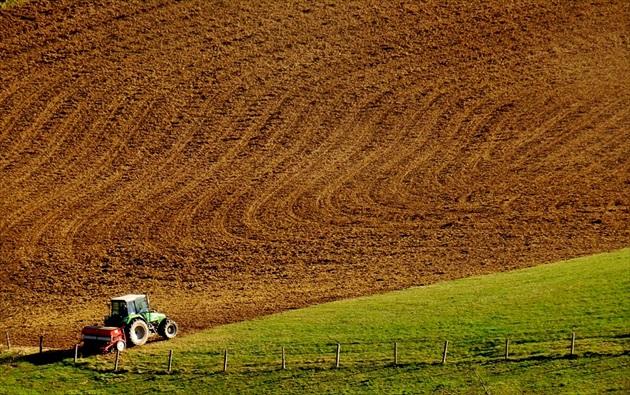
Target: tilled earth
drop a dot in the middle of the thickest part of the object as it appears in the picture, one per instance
(239, 158)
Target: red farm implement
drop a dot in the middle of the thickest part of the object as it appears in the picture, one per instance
(103, 338)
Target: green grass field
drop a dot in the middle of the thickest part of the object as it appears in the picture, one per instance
(537, 309)
(9, 3)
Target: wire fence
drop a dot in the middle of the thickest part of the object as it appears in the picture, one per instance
(481, 362)
(360, 354)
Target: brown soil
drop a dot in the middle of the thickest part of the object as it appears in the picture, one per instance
(239, 158)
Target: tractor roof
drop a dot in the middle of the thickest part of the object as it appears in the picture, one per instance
(129, 298)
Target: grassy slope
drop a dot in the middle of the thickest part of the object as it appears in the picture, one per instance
(10, 3)
(536, 308)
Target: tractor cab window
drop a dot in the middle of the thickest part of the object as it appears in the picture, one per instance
(119, 308)
(142, 306)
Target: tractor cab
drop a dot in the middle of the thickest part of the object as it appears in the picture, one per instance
(127, 307)
(129, 304)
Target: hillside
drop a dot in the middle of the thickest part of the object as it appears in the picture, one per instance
(238, 158)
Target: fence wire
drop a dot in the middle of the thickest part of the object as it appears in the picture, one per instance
(366, 355)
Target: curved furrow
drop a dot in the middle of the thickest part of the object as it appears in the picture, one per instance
(23, 126)
(432, 142)
(131, 190)
(255, 216)
(438, 170)
(14, 178)
(15, 104)
(529, 149)
(60, 201)
(176, 173)
(103, 196)
(483, 125)
(264, 166)
(137, 188)
(332, 195)
(27, 210)
(50, 152)
(468, 167)
(146, 194)
(225, 210)
(391, 196)
(424, 160)
(589, 116)
(335, 151)
(237, 132)
(186, 188)
(617, 132)
(462, 136)
(180, 185)
(501, 142)
(590, 141)
(453, 150)
(223, 161)
(345, 198)
(274, 152)
(419, 154)
(184, 210)
(114, 108)
(237, 189)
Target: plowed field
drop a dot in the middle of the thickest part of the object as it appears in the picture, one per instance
(239, 158)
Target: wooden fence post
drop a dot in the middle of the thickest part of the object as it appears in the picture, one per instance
(507, 349)
(338, 355)
(225, 359)
(284, 361)
(116, 361)
(76, 352)
(444, 353)
(395, 353)
(41, 344)
(8, 342)
(572, 343)
(170, 361)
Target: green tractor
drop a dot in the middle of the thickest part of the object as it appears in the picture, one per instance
(131, 322)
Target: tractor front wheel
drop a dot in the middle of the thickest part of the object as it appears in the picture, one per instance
(167, 329)
(138, 332)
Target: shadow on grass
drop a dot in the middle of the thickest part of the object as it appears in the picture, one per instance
(47, 357)
(585, 355)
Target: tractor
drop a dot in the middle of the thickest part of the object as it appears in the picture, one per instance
(130, 323)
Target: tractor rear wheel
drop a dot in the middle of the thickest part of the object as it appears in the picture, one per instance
(138, 332)
(167, 329)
